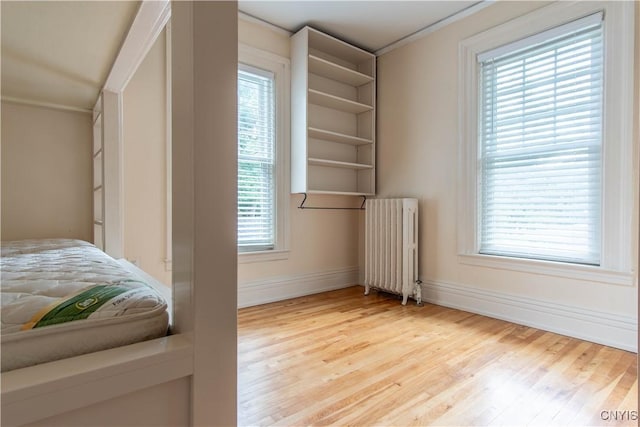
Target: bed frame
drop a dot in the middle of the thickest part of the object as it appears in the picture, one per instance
(188, 378)
(95, 381)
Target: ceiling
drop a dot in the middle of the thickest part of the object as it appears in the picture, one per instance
(372, 25)
(61, 52)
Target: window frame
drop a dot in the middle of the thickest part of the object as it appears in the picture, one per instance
(616, 264)
(552, 51)
(280, 67)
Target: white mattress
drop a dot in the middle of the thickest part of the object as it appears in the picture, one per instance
(62, 298)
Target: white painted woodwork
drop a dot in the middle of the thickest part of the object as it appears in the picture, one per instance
(328, 135)
(147, 25)
(337, 164)
(164, 404)
(98, 176)
(279, 288)
(42, 104)
(331, 101)
(337, 72)
(333, 116)
(604, 327)
(112, 173)
(60, 387)
(168, 148)
(204, 96)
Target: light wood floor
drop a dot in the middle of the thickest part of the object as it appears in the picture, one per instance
(341, 358)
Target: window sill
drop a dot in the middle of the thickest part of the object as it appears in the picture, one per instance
(263, 256)
(550, 268)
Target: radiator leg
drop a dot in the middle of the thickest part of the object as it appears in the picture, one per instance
(418, 292)
(366, 289)
(405, 297)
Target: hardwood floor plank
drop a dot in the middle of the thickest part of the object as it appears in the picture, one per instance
(342, 358)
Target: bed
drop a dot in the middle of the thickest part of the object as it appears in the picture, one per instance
(63, 298)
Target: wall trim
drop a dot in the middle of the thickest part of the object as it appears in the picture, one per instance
(147, 25)
(477, 7)
(273, 289)
(587, 273)
(250, 18)
(50, 105)
(601, 327)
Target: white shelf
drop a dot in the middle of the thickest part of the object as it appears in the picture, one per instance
(330, 101)
(333, 98)
(337, 164)
(339, 193)
(335, 47)
(337, 72)
(337, 137)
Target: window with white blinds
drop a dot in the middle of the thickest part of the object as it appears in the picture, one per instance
(256, 159)
(540, 145)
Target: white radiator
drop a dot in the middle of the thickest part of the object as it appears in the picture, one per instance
(391, 247)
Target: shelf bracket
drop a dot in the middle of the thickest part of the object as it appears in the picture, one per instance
(361, 208)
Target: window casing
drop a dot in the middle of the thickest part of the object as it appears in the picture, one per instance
(614, 242)
(263, 160)
(540, 136)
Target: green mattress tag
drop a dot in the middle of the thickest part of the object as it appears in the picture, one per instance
(81, 306)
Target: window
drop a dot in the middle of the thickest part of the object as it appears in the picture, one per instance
(546, 143)
(540, 142)
(262, 155)
(256, 159)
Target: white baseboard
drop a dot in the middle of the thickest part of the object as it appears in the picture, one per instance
(281, 288)
(600, 327)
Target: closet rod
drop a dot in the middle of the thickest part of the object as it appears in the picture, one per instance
(361, 208)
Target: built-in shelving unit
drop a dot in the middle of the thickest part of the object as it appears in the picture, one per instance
(333, 116)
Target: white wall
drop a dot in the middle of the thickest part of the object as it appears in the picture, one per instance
(144, 177)
(323, 243)
(46, 173)
(418, 157)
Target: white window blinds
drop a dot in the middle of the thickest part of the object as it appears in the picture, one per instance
(540, 145)
(256, 153)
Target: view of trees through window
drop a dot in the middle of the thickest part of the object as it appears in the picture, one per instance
(256, 145)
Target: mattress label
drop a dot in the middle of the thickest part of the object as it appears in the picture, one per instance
(77, 307)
